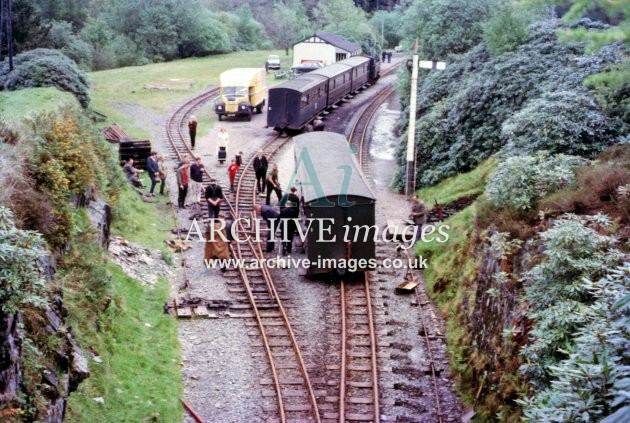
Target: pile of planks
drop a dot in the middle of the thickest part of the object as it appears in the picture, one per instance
(138, 150)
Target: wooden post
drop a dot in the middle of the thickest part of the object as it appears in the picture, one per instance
(410, 185)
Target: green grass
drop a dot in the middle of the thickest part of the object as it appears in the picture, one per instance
(147, 224)
(458, 186)
(187, 77)
(139, 378)
(18, 105)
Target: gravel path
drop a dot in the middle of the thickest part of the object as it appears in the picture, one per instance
(221, 369)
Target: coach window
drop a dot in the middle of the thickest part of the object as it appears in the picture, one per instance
(304, 99)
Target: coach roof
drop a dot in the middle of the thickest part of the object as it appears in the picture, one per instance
(331, 156)
(301, 83)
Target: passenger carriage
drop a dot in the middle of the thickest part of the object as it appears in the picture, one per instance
(294, 103)
(332, 186)
(339, 82)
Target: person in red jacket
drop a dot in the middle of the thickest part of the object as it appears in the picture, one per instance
(232, 169)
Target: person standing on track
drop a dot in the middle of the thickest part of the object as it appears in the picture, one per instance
(273, 184)
(192, 130)
(418, 211)
(289, 210)
(182, 183)
(223, 139)
(270, 215)
(231, 170)
(196, 180)
(260, 167)
(214, 197)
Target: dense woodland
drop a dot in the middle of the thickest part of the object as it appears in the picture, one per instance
(533, 108)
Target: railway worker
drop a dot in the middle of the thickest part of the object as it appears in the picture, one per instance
(231, 170)
(289, 210)
(389, 57)
(214, 197)
(418, 211)
(273, 184)
(182, 183)
(260, 167)
(270, 216)
(132, 174)
(192, 130)
(383, 56)
(195, 185)
(239, 158)
(163, 172)
(223, 139)
(153, 168)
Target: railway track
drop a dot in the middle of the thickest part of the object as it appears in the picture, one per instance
(290, 382)
(359, 390)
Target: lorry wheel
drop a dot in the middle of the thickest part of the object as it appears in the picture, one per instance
(259, 109)
(220, 117)
(249, 116)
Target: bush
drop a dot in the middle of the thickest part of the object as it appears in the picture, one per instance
(566, 122)
(520, 182)
(22, 279)
(507, 28)
(46, 68)
(461, 110)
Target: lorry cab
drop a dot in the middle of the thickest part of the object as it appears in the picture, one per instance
(241, 91)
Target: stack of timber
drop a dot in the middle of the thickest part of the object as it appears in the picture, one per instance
(138, 150)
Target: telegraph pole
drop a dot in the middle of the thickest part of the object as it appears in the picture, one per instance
(410, 184)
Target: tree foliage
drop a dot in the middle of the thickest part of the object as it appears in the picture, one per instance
(46, 68)
(445, 27)
(387, 24)
(344, 18)
(287, 23)
(506, 28)
(22, 279)
(462, 109)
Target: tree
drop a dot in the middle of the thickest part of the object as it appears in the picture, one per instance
(507, 28)
(445, 27)
(387, 24)
(287, 23)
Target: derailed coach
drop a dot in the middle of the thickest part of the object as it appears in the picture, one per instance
(338, 205)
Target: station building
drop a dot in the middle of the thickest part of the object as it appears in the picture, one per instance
(325, 48)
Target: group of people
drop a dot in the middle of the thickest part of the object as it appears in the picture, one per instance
(156, 168)
(288, 209)
(386, 56)
(266, 182)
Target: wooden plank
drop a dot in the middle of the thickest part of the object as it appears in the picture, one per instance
(406, 287)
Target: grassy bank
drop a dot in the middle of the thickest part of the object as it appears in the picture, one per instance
(458, 186)
(179, 80)
(15, 106)
(139, 377)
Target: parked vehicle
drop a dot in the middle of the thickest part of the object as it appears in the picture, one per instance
(295, 103)
(336, 195)
(243, 90)
(305, 67)
(273, 61)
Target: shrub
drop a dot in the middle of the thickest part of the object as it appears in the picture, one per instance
(558, 293)
(46, 68)
(461, 109)
(520, 182)
(566, 122)
(62, 38)
(506, 29)
(22, 279)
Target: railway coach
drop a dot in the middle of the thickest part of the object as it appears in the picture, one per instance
(338, 206)
(295, 103)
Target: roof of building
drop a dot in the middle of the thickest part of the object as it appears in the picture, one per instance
(335, 40)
